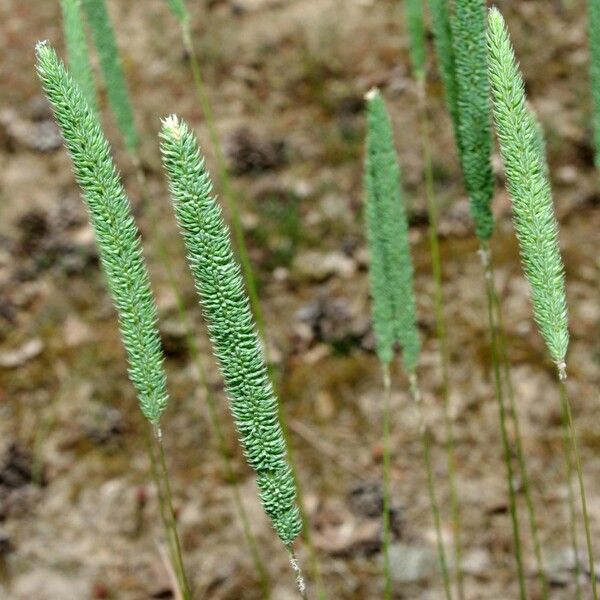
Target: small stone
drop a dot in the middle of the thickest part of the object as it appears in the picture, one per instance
(476, 562)
(49, 583)
(40, 136)
(18, 357)
(366, 499)
(75, 332)
(6, 546)
(249, 153)
(281, 274)
(315, 266)
(412, 564)
(567, 174)
(559, 565)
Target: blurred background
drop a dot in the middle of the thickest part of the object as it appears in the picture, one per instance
(286, 79)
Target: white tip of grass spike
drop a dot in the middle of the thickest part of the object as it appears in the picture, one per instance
(372, 93)
(173, 125)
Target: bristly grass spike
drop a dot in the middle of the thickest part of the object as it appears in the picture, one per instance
(528, 185)
(231, 327)
(117, 236)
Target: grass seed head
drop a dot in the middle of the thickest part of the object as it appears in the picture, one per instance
(594, 45)
(391, 270)
(116, 234)
(179, 10)
(528, 185)
(442, 38)
(231, 327)
(416, 37)
(474, 111)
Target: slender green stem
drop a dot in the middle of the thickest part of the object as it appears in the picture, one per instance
(440, 327)
(294, 563)
(571, 499)
(165, 260)
(240, 242)
(171, 522)
(435, 508)
(151, 450)
(387, 533)
(503, 351)
(512, 497)
(566, 408)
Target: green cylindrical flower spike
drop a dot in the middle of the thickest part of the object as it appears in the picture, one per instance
(533, 213)
(391, 270)
(442, 38)
(416, 37)
(594, 45)
(112, 70)
(179, 10)
(77, 50)
(475, 119)
(227, 311)
(116, 234)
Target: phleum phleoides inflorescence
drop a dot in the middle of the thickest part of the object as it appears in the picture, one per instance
(117, 236)
(442, 38)
(593, 7)
(231, 327)
(390, 270)
(474, 113)
(528, 185)
(536, 227)
(393, 301)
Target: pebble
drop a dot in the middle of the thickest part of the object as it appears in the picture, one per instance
(412, 564)
(24, 353)
(316, 266)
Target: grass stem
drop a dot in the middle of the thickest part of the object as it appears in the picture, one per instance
(571, 499)
(435, 508)
(387, 534)
(503, 352)
(315, 565)
(512, 496)
(168, 513)
(295, 564)
(568, 417)
(440, 328)
(151, 450)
